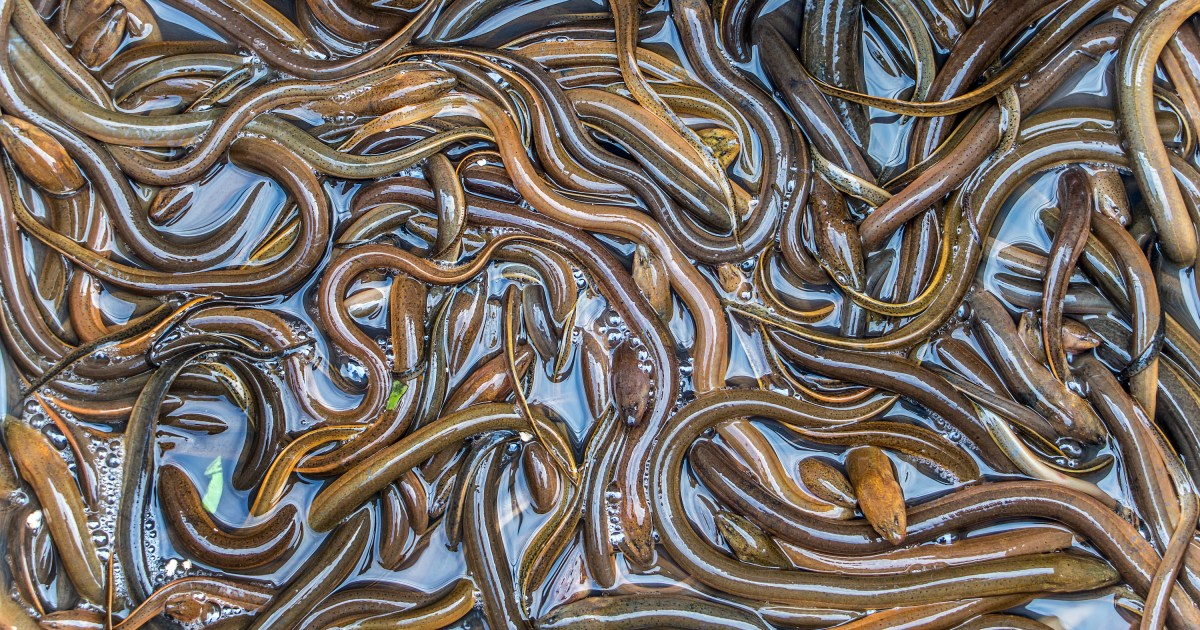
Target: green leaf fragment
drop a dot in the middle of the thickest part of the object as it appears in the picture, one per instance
(398, 390)
(216, 485)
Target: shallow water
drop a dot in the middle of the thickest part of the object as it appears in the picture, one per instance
(210, 428)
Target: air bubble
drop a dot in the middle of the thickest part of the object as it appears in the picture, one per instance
(57, 439)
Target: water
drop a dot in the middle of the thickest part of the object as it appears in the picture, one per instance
(214, 427)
